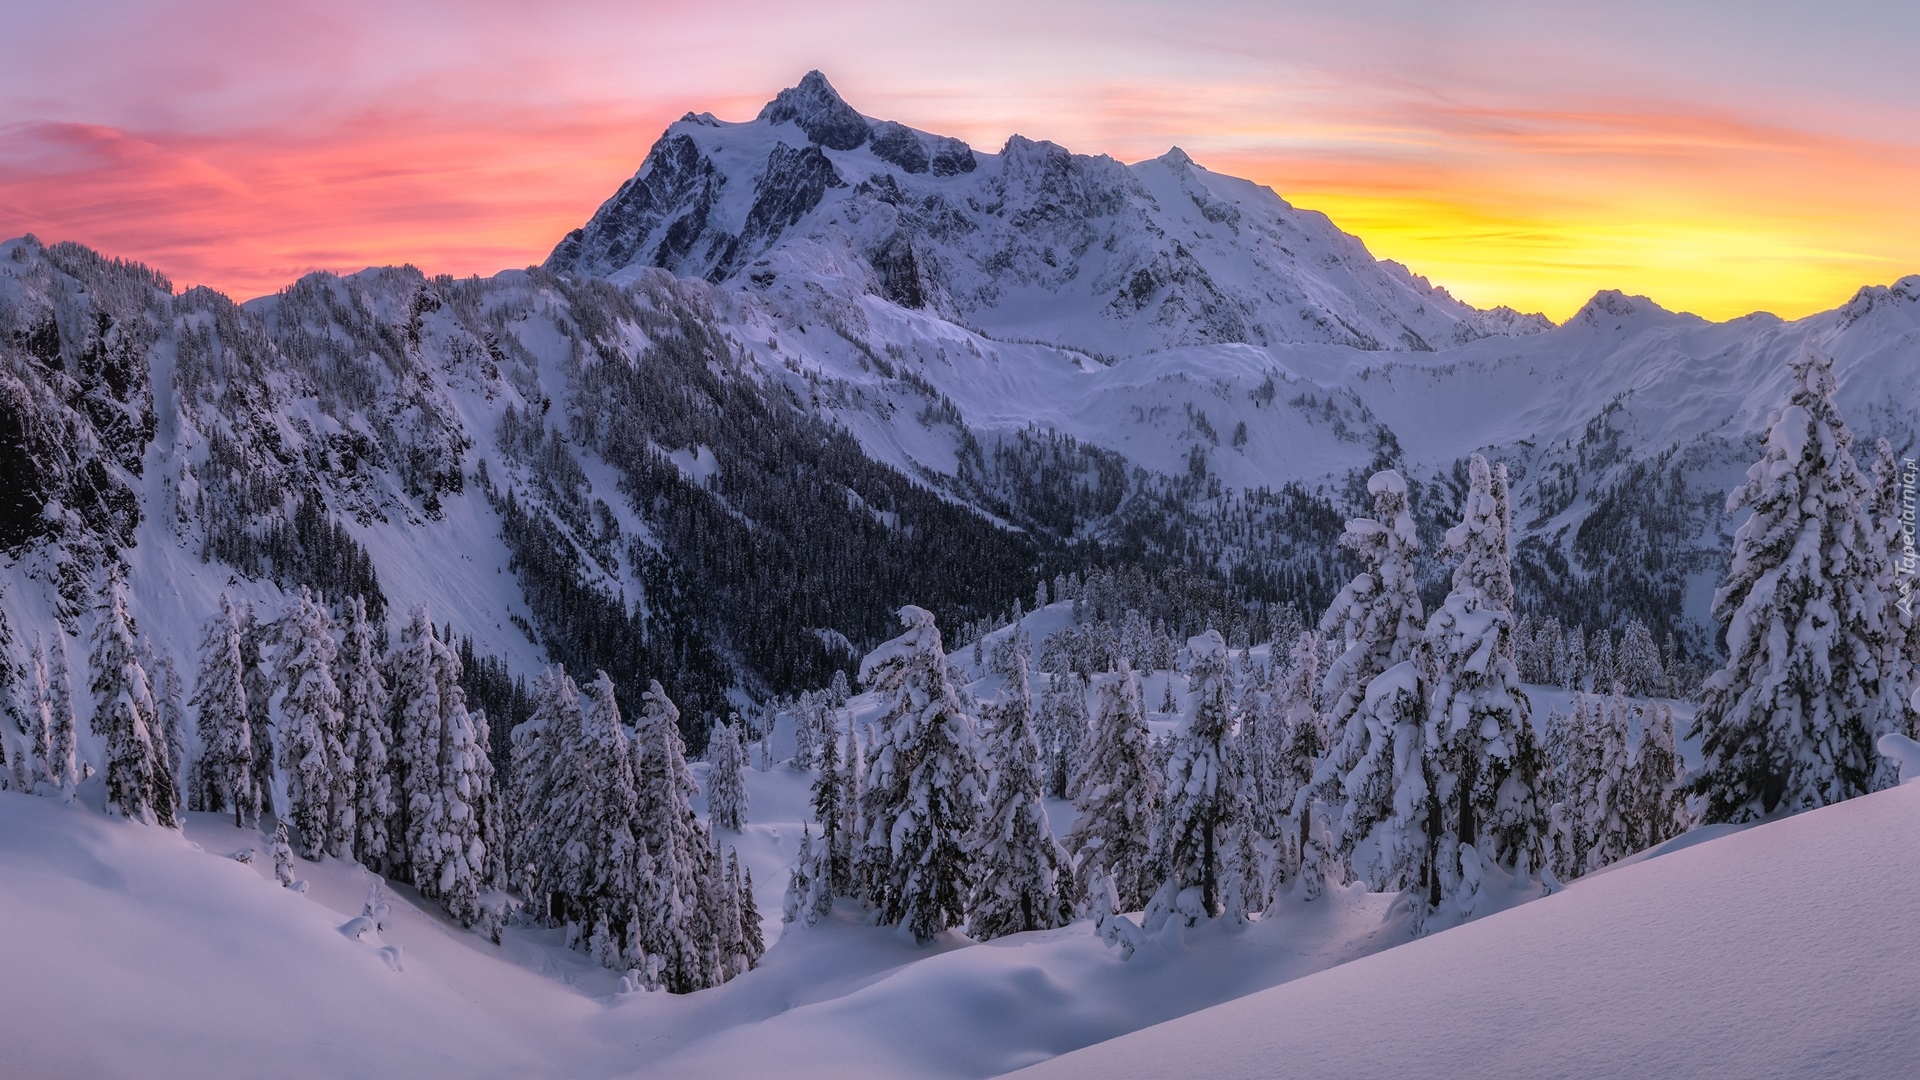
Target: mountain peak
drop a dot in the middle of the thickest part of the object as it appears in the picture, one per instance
(1613, 302)
(819, 110)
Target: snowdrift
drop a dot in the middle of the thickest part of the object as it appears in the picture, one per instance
(1784, 950)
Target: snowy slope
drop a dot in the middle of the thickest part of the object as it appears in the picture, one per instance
(137, 951)
(1786, 950)
(1780, 950)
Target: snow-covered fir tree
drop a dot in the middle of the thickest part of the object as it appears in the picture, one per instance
(592, 804)
(311, 755)
(440, 773)
(1119, 789)
(1022, 877)
(1562, 729)
(726, 790)
(1576, 664)
(1375, 731)
(1656, 804)
(1899, 662)
(674, 948)
(920, 801)
(1302, 743)
(1062, 732)
(808, 725)
(833, 807)
(170, 713)
(365, 822)
(557, 721)
(224, 777)
(139, 784)
(1482, 762)
(809, 896)
(23, 718)
(744, 941)
(1204, 800)
(492, 815)
(260, 683)
(63, 752)
(1638, 665)
(1599, 782)
(1602, 671)
(1788, 723)
(282, 855)
(15, 715)
(753, 940)
(1481, 539)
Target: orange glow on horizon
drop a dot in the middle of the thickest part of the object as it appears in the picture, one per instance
(1493, 151)
(248, 216)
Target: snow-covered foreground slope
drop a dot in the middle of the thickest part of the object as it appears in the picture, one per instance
(1785, 950)
(138, 951)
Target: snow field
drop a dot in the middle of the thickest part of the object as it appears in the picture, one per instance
(1783, 950)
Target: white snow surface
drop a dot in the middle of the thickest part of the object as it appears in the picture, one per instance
(1784, 950)
(139, 951)
(1779, 950)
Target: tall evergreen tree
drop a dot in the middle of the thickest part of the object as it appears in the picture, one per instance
(1481, 762)
(366, 822)
(311, 756)
(920, 803)
(26, 721)
(1656, 805)
(673, 919)
(1023, 879)
(440, 782)
(1302, 743)
(1638, 665)
(1204, 798)
(224, 777)
(1119, 795)
(808, 725)
(170, 715)
(1899, 662)
(592, 808)
(1576, 662)
(1375, 741)
(1602, 668)
(1787, 724)
(726, 790)
(809, 897)
(833, 805)
(260, 682)
(139, 785)
(753, 942)
(1598, 782)
(1062, 732)
(63, 754)
(556, 721)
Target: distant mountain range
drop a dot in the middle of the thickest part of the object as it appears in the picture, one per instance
(803, 369)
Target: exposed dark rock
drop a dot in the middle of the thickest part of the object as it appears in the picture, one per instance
(899, 146)
(819, 111)
(794, 182)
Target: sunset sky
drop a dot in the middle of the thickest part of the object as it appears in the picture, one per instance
(1720, 157)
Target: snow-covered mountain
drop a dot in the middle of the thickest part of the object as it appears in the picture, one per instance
(806, 368)
(1032, 242)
